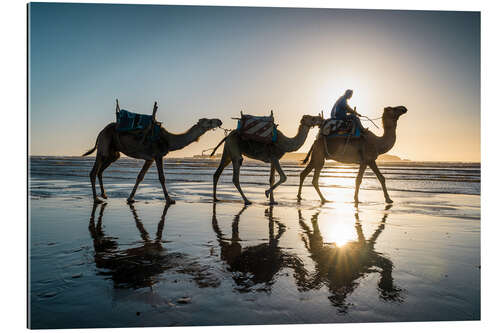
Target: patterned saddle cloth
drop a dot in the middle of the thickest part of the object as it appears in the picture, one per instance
(136, 123)
(259, 129)
(340, 128)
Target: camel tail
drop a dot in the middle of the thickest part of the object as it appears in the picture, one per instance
(92, 149)
(304, 161)
(217, 147)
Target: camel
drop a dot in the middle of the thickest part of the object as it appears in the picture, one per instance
(110, 144)
(235, 147)
(363, 151)
(339, 268)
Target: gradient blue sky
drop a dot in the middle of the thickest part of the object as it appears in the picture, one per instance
(214, 61)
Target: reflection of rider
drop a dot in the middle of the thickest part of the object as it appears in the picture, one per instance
(342, 111)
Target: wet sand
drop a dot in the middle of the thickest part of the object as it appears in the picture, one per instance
(196, 263)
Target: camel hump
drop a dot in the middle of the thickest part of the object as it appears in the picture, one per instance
(144, 126)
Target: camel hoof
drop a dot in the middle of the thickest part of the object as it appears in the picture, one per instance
(273, 203)
(248, 202)
(216, 200)
(267, 193)
(130, 200)
(97, 200)
(104, 196)
(388, 200)
(170, 201)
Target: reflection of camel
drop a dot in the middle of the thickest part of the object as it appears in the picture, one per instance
(339, 268)
(363, 151)
(110, 143)
(140, 266)
(235, 147)
(256, 264)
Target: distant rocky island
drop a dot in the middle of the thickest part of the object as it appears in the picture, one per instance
(381, 158)
(300, 156)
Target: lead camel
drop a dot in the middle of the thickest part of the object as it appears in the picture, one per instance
(363, 151)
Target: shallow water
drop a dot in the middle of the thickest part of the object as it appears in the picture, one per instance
(196, 263)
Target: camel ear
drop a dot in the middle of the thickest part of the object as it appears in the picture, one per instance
(117, 106)
(155, 108)
(272, 116)
(241, 112)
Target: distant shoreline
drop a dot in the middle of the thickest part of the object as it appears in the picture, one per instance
(215, 160)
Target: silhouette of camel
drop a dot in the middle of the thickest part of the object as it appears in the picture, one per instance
(363, 151)
(235, 148)
(141, 266)
(340, 268)
(110, 144)
(255, 265)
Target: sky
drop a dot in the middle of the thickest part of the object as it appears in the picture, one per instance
(212, 62)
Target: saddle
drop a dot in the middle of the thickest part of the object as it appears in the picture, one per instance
(140, 125)
(340, 128)
(257, 128)
(127, 121)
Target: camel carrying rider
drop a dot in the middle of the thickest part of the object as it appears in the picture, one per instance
(342, 111)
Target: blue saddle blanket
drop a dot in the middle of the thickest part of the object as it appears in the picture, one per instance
(127, 121)
(130, 121)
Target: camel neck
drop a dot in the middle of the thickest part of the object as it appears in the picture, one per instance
(179, 141)
(388, 139)
(293, 144)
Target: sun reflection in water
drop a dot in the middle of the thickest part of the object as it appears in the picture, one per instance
(338, 233)
(337, 226)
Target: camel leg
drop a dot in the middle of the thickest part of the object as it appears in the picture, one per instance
(303, 176)
(271, 182)
(93, 173)
(381, 179)
(359, 178)
(315, 181)
(104, 166)
(161, 175)
(276, 163)
(236, 177)
(224, 161)
(139, 179)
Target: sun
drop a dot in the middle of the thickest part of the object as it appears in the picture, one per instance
(362, 98)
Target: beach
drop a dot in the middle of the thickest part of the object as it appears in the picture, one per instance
(200, 263)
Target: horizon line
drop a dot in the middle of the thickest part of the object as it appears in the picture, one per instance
(192, 157)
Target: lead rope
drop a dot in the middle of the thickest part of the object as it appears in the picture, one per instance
(371, 120)
(226, 131)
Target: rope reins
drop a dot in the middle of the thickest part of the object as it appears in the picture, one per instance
(226, 130)
(371, 120)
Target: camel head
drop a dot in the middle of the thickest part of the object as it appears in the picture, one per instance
(392, 114)
(311, 121)
(208, 124)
